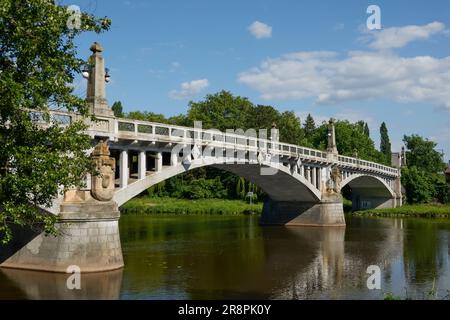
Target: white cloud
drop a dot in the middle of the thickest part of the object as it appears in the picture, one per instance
(260, 30)
(174, 66)
(398, 37)
(339, 27)
(189, 89)
(330, 78)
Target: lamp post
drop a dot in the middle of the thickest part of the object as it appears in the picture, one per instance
(97, 76)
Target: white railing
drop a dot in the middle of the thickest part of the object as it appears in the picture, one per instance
(121, 128)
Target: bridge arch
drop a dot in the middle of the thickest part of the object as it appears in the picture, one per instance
(284, 185)
(369, 191)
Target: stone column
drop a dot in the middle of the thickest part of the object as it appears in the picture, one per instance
(308, 174)
(173, 159)
(314, 176)
(124, 172)
(302, 170)
(319, 178)
(142, 165)
(158, 162)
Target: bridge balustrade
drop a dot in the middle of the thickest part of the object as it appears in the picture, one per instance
(152, 131)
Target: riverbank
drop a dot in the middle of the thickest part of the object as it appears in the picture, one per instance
(414, 211)
(147, 205)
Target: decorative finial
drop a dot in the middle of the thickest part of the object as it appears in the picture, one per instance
(96, 47)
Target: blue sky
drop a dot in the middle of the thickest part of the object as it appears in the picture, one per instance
(313, 57)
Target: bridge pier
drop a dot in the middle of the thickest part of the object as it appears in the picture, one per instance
(88, 238)
(328, 212)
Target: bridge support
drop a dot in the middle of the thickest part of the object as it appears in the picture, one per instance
(373, 198)
(88, 229)
(328, 212)
(88, 238)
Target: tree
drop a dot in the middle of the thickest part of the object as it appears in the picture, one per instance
(309, 126)
(364, 127)
(117, 109)
(421, 153)
(290, 128)
(385, 144)
(418, 186)
(38, 62)
(221, 111)
(366, 130)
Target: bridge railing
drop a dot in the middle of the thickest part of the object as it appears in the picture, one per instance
(121, 128)
(355, 163)
(213, 138)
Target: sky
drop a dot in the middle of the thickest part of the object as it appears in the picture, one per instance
(315, 57)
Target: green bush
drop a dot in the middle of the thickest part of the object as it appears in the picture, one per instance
(418, 185)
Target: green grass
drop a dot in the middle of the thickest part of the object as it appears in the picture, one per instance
(417, 211)
(146, 205)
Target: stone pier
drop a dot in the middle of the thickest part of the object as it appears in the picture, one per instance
(326, 213)
(88, 229)
(88, 237)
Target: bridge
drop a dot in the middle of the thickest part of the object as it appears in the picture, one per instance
(303, 184)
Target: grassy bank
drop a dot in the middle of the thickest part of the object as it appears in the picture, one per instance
(416, 211)
(148, 205)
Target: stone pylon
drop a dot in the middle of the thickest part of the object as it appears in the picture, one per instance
(88, 229)
(96, 86)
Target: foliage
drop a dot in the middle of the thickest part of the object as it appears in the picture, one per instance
(38, 63)
(224, 111)
(117, 109)
(417, 210)
(221, 111)
(309, 126)
(363, 127)
(385, 144)
(204, 189)
(421, 153)
(442, 192)
(418, 186)
(156, 117)
(144, 205)
(423, 179)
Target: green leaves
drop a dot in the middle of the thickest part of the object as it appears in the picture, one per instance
(421, 153)
(423, 179)
(38, 62)
(385, 144)
(418, 185)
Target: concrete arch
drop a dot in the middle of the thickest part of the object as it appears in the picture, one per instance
(361, 180)
(282, 186)
(369, 191)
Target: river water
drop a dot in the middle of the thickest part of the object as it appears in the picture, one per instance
(233, 257)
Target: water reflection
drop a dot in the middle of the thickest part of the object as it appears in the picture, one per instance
(198, 257)
(24, 284)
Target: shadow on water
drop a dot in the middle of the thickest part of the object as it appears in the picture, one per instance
(35, 285)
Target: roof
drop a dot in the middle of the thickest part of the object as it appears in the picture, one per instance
(447, 171)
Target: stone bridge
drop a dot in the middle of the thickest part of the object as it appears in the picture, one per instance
(303, 185)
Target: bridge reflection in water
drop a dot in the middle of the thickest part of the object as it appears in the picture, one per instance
(36, 285)
(199, 257)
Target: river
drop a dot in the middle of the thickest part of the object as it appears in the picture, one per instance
(233, 257)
